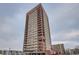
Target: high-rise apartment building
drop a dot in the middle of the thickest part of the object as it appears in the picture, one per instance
(37, 34)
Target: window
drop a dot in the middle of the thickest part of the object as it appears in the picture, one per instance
(39, 34)
(40, 40)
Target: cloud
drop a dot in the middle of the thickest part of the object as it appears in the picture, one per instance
(63, 19)
(66, 18)
(9, 10)
(10, 34)
(69, 39)
(12, 23)
(66, 35)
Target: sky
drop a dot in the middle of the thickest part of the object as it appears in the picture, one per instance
(63, 21)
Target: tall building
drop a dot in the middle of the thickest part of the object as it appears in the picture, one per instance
(37, 33)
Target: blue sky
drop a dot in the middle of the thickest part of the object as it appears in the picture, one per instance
(63, 21)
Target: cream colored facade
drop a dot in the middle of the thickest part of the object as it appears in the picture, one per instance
(47, 31)
(32, 39)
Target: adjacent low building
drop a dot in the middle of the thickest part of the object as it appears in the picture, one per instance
(69, 51)
(11, 52)
(73, 51)
(58, 49)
